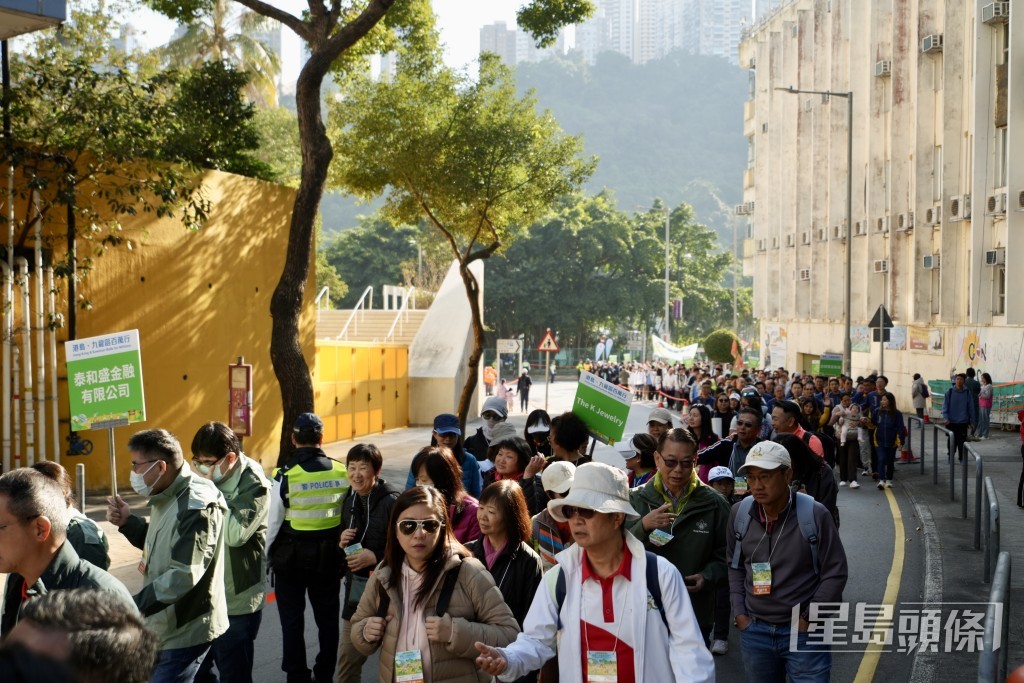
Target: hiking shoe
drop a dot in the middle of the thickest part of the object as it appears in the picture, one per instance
(842, 483)
(888, 484)
(720, 647)
(854, 485)
(881, 485)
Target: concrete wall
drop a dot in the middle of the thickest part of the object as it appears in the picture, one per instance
(439, 355)
(923, 135)
(199, 300)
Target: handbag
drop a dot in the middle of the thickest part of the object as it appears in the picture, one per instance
(356, 586)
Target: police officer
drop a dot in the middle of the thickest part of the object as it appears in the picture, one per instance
(303, 535)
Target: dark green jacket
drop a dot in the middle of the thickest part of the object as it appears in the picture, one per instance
(698, 543)
(67, 571)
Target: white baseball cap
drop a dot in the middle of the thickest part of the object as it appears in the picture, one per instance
(558, 476)
(767, 455)
(720, 472)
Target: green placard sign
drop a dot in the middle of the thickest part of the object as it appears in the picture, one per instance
(105, 381)
(831, 364)
(602, 406)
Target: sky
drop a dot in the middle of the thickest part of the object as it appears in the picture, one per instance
(459, 21)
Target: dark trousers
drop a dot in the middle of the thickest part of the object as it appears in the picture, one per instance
(310, 571)
(524, 399)
(849, 459)
(232, 651)
(1020, 485)
(723, 613)
(959, 437)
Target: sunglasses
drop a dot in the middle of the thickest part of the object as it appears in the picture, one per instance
(672, 464)
(571, 511)
(409, 526)
(744, 423)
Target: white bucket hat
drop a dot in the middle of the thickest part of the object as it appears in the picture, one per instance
(596, 486)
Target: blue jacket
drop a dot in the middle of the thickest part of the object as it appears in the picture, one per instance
(889, 428)
(958, 406)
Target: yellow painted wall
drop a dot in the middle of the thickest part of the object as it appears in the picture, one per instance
(199, 300)
(361, 388)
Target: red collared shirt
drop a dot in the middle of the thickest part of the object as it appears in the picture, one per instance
(618, 635)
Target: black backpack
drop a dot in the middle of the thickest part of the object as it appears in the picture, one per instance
(828, 445)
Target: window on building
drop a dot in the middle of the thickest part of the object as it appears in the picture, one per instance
(999, 175)
(937, 174)
(999, 306)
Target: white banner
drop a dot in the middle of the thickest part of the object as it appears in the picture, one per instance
(662, 349)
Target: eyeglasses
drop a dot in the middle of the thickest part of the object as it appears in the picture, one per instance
(409, 526)
(491, 416)
(135, 465)
(744, 423)
(571, 511)
(672, 464)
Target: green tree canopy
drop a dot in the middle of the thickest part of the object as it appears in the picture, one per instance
(473, 159)
(719, 344)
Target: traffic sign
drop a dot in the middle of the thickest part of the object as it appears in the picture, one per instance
(881, 319)
(510, 345)
(548, 343)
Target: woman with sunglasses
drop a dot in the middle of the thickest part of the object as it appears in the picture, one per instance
(504, 547)
(435, 466)
(724, 413)
(429, 601)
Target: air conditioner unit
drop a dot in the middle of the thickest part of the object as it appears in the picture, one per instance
(775, 243)
(996, 204)
(750, 207)
(930, 262)
(805, 237)
(805, 274)
(905, 221)
(839, 232)
(932, 43)
(995, 257)
(790, 241)
(860, 228)
(764, 127)
(822, 234)
(881, 266)
(1020, 201)
(960, 207)
(995, 13)
(883, 68)
(808, 105)
(762, 245)
(882, 225)
(933, 216)
(741, 210)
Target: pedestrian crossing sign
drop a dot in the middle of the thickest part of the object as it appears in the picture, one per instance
(548, 343)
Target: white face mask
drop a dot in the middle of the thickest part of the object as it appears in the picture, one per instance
(138, 481)
(214, 472)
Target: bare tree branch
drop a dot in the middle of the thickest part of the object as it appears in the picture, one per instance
(351, 32)
(300, 27)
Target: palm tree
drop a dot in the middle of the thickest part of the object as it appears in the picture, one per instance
(231, 37)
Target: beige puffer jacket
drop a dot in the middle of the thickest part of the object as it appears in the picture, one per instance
(478, 611)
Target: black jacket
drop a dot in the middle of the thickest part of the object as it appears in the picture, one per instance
(66, 571)
(533, 491)
(517, 573)
(370, 515)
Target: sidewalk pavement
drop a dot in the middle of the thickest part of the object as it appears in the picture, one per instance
(953, 568)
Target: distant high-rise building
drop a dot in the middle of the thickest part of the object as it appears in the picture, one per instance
(713, 27)
(527, 50)
(127, 40)
(499, 39)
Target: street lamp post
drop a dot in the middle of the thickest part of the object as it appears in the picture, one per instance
(668, 334)
(848, 95)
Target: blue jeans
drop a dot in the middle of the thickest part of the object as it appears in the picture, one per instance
(767, 657)
(984, 418)
(886, 460)
(179, 665)
(232, 651)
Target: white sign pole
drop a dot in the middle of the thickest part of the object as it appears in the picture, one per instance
(547, 375)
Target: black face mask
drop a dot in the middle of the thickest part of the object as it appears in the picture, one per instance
(540, 438)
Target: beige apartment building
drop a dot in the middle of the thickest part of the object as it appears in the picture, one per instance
(937, 192)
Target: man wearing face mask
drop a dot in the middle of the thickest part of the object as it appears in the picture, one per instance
(495, 410)
(182, 596)
(217, 456)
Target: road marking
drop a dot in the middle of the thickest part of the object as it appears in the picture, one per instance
(926, 663)
(869, 662)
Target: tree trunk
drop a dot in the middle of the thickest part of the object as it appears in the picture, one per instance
(473, 292)
(290, 367)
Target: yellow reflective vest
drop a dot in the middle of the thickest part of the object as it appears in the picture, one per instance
(313, 499)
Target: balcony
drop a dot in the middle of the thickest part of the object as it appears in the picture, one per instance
(24, 16)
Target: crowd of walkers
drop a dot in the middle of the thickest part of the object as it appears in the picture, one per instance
(507, 553)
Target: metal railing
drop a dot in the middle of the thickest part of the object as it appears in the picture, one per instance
(995, 646)
(992, 525)
(324, 293)
(402, 315)
(358, 308)
(910, 435)
(979, 474)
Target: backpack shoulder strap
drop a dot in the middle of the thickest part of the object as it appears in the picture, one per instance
(383, 600)
(740, 524)
(654, 587)
(451, 577)
(808, 526)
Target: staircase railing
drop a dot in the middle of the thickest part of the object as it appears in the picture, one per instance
(359, 309)
(402, 315)
(324, 293)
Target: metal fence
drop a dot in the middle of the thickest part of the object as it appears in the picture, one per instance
(992, 662)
